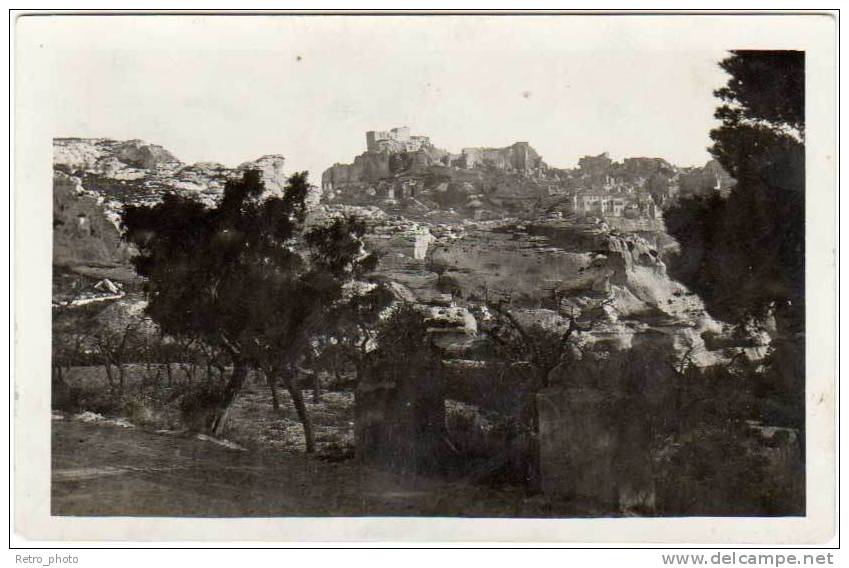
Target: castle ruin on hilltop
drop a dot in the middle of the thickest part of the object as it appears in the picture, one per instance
(395, 140)
(398, 169)
(390, 153)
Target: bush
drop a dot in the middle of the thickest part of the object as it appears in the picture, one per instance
(729, 470)
(152, 409)
(198, 405)
(400, 401)
(77, 399)
(710, 456)
(700, 427)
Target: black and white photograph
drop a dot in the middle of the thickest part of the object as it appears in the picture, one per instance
(447, 266)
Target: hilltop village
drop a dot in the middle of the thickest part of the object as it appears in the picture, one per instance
(409, 172)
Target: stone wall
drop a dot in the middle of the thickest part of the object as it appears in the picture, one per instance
(518, 157)
(366, 167)
(589, 455)
(400, 413)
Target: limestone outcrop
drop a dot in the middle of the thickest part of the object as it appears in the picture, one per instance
(411, 174)
(82, 231)
(454, 232)
(273, 173)
(97, 177)
(409, 171)
(136, 172)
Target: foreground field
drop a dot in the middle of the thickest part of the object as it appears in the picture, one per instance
(253, 422)
(143, 464)
(107, 470)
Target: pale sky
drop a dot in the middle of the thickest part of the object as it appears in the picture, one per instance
(232, 89)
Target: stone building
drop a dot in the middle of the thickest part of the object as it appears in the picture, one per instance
(594, 171)
(517, 157)
(599, 204)
(395, 140)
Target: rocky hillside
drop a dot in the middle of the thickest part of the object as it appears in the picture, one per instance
(408, 174)
(411, 173)
(95, 178)
(82, 232)
(454, 232)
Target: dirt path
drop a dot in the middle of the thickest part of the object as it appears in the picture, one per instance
(108, 470)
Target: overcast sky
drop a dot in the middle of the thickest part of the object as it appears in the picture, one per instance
(232, 89)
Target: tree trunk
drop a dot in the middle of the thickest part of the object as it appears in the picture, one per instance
(221, 372)
(275, 401)
(189, 372)
(59, 389)
(316, 388)
(303, 415)
(234, 386)
(532, 471)
(109, 377)
(169, 375)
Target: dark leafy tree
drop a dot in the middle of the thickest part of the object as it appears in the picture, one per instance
(744, 254)
(438, 267)
(354, 326)
(245, 277)
(764, 86)
(400, 400)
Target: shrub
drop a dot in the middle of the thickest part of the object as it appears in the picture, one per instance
(199, 403)
(400, 401)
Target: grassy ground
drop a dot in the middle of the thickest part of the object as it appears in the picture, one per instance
(255, 424)
(252, 423)
(108, 470)
(113, 462)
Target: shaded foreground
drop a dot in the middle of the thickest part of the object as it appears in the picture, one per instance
(102, 470)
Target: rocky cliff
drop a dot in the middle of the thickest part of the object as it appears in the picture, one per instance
(403, 173)
(95, 178)
(618, 281)
(82, 232)
(427, 215)
(476, 182)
